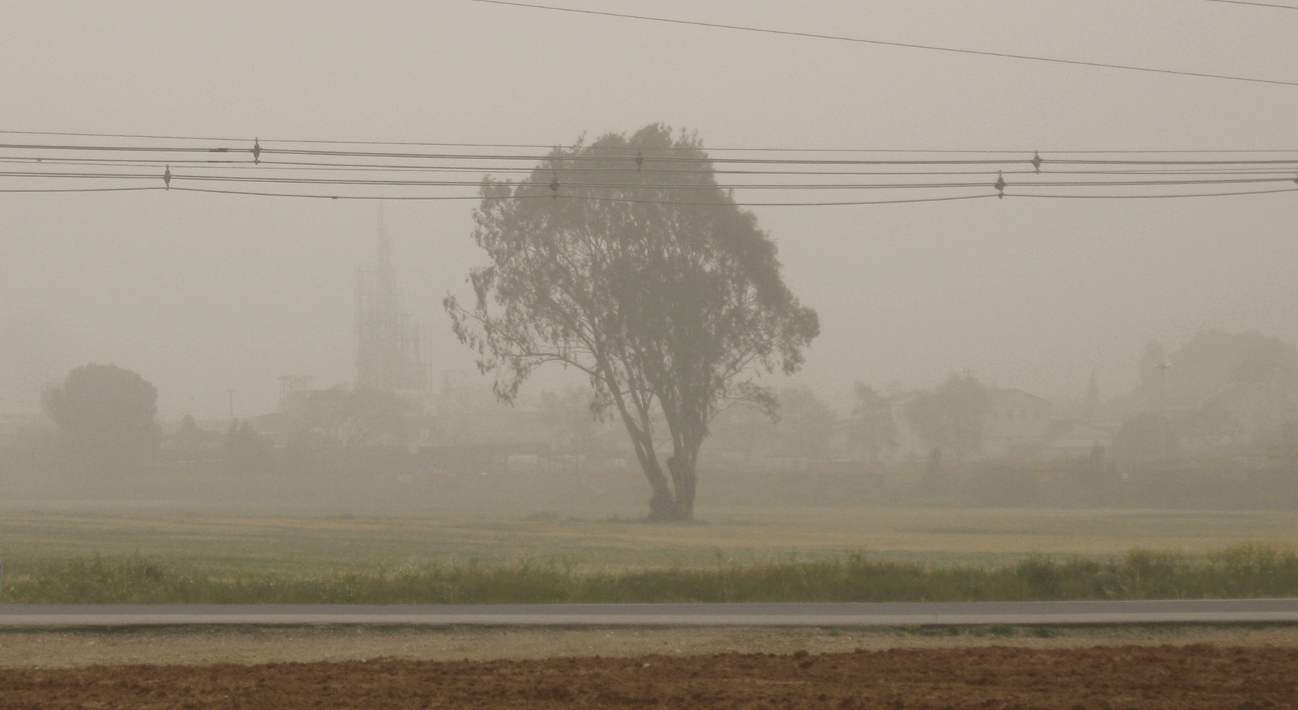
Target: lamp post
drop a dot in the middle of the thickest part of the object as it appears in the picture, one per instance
(231, 393)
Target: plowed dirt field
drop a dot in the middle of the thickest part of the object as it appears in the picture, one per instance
(1181, 677)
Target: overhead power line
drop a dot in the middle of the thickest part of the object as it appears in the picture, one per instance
(1257, 4)
(906, 45)
(657, 186)
(361, 170)
(745, 204)
(711, 149)
(367, 168)
(624, 154)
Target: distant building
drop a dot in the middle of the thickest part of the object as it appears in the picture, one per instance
(1074, 438)
(390, 347)
(1016, 423)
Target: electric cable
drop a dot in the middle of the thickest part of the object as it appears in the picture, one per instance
(765, 149)
(304, 166)
(616, 174)
(1257, 4)
(614, 199)
(760, 149)
(623, 156)
(907, 45)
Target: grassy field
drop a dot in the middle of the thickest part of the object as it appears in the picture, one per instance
(164, 552)
(211, 540)
(1250, 570)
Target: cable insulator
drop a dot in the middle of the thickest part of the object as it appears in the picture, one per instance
(639, 159)
(554, 187)
(256, 151)
(1036, 160)
(1000, 185)
(166, 177)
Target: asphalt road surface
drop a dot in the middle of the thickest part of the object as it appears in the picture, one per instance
(1217, 611)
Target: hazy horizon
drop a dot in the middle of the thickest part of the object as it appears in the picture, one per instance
(203, 293)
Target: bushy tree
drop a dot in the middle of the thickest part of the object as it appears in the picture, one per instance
(1252, 377)
(624, 259)
(567, 415)
(872, 425)
(953, 417)
(107, 419)
(742, 430)
(803, 427)
(806, 425)
(1214, 359)
(247, 451)
(1146, 437)
(348, 417)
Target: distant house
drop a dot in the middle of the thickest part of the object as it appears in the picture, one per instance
(1074, 438)
(1016, 423)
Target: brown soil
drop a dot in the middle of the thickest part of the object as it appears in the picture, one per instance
(1181, 677)
(255, 644)
(1185, 676)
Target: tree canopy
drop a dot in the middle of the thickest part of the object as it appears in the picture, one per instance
(625, 260)
(106, 416)
(872, 424)
(347, 417)
(952, 417)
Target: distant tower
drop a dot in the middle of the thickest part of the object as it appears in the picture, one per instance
(389, 349)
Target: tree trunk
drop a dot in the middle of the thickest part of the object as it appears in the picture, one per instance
(684, 478)
(662, 504)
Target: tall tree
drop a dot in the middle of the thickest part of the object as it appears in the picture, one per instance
(624, 259)
(872, 423)
(952, 417)
(247, 451)
(567, 415)
(107, 419)
(348, 417)
(1146, 437)
(806, 425)
(1254, 376)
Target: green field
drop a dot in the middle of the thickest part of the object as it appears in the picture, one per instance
(223, 541)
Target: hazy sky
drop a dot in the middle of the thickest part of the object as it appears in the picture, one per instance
(201, 293)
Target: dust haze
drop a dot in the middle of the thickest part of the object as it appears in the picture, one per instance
(259, 353)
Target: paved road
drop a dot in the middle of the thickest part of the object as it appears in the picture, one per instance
(862, 615)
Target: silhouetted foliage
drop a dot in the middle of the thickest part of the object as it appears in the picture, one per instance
(743, 430)
(806, 425)
(568, 416)
(1255, 374)
(246, 451)
(347, 417)
(1210, 426)
(1146, 437)
(803, 427)
(934, 479)
(106, 417)
(953, 416)
(625, 260)
(872, 424)
(1004, 487)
